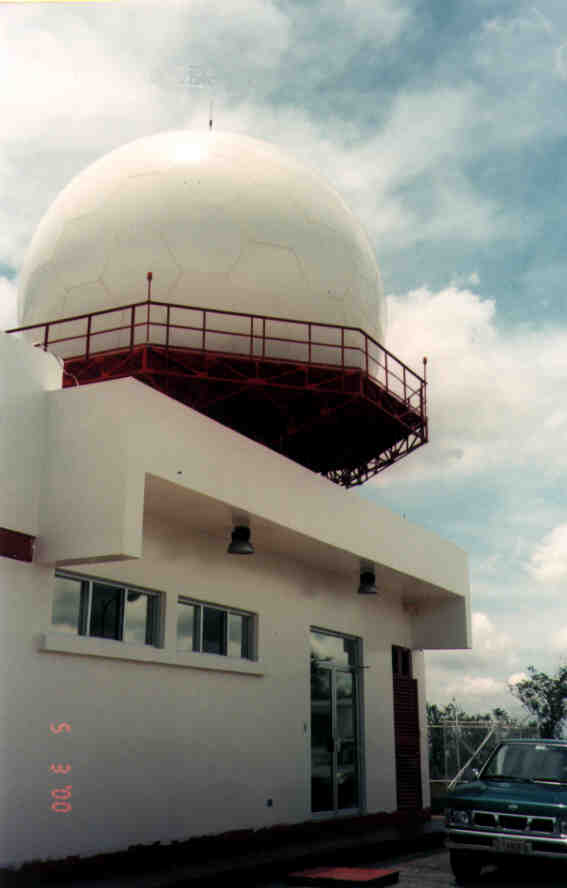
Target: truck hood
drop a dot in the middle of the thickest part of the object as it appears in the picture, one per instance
(497, 795)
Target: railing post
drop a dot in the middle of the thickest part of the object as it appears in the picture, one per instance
(424, 398)
(167, 321)
(148, 323)
(386, 370)
(251, 336)
(405, 386)
(204, 330)
(46, 337)
(343, 349)
(132, 326)
(366, 352)
(263, 337)
(89, 323)
(309, 349)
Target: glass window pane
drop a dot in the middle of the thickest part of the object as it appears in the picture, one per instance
(214, 631)
(67, 604)
(105, 611)
(187, 627)
(332, 649)
(238, 628)
(137, 622)
(321, 738)
(347, 772)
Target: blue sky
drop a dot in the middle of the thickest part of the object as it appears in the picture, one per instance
(443, 126)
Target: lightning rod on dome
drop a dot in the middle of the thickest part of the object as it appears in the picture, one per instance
(149, 277)
(199, 77)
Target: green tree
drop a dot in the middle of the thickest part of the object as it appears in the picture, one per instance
(545, 698)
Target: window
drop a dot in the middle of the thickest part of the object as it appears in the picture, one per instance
(100, 609)
(214, 630)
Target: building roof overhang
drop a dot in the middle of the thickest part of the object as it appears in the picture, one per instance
(119, 453)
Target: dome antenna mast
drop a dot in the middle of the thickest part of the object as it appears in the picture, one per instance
(199, 77)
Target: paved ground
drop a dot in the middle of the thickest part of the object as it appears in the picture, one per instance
(432, 870)
(425, 868)
(253, 864)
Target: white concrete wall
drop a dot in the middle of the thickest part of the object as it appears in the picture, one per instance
(105, 438)
(438, 624)
(25, 375)
(162, 752)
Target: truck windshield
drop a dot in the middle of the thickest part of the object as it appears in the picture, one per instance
(528, 762)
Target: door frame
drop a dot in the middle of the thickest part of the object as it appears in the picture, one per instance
(357, 671)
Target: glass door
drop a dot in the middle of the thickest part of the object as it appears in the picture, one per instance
(335, 776)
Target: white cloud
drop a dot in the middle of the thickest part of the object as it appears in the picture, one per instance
(420, 144)
(472, 686)
(486, 638)
(381, 20)
(517, 677)
(423, 139)
(92, 83)
(493, 394)
(477, 679)
(514, 25)
(474, 692)
(559, 640)
(82, 84)
(540, 22)
(549, 559)
(560, 61)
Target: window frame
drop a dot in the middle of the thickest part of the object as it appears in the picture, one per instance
(249, 635)
(153, 636)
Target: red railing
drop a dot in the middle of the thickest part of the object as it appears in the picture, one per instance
(172, 327)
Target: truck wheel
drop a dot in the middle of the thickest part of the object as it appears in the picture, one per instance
(466, 867)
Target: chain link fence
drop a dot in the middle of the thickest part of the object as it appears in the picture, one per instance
(454, 745)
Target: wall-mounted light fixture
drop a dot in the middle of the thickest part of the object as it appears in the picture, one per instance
(240, 541)
(367, 583)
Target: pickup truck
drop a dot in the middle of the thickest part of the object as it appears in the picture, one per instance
(515, 806)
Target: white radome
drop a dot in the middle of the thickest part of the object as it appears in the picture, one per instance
(221, 220)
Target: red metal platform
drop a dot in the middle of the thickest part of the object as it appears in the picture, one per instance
(336, 876)
(329, 397)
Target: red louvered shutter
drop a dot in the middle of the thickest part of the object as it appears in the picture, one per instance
(406, 729)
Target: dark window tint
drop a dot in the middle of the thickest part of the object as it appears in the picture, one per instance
(106, 611)
(214, 631)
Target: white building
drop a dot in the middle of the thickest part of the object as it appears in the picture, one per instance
(154, 686)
